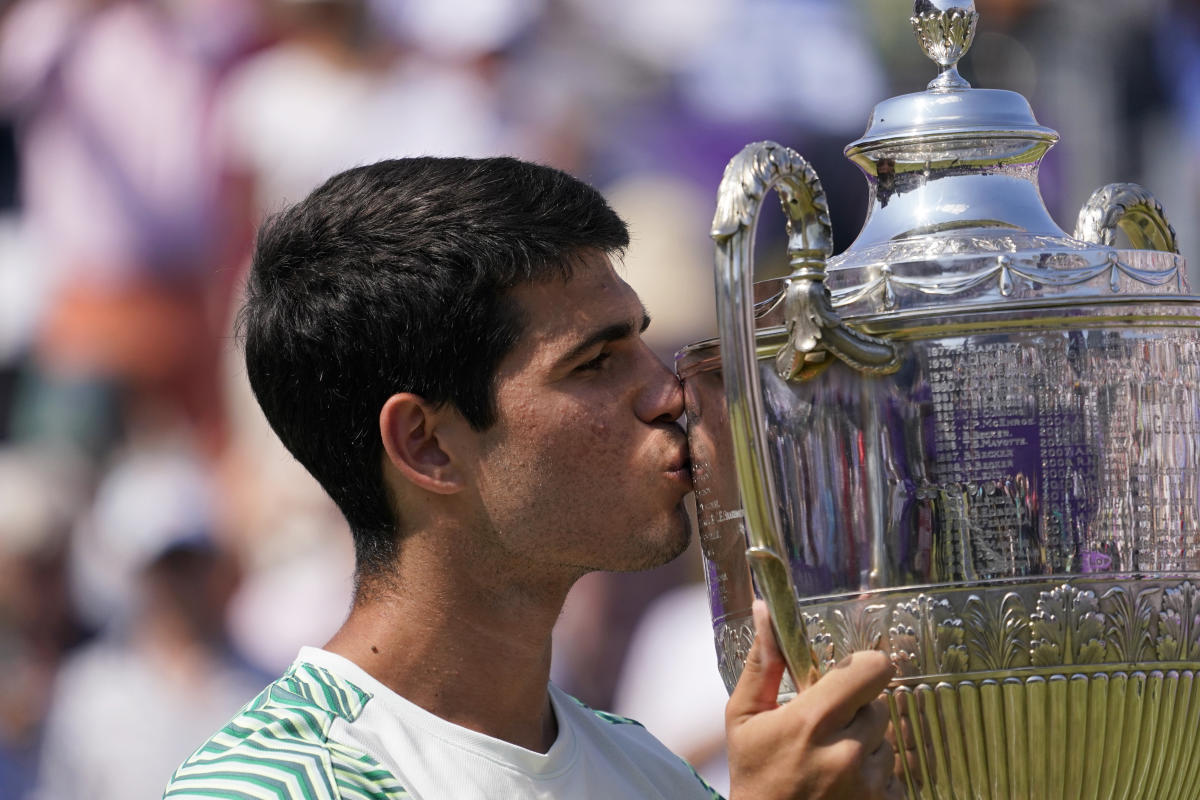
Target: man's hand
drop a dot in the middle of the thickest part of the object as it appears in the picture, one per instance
(826, 744)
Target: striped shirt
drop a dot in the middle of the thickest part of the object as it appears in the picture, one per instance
(328, 730)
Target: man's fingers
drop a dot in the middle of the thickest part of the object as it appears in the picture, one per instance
(874, 766)
(757, 689)
(855, 682)
(868, 767)
(881, 773)
(763, 630)
(870, 725)
(832, 738)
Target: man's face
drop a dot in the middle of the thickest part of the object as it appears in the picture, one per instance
(585, 467)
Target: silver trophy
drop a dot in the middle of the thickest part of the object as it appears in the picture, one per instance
(972, 441)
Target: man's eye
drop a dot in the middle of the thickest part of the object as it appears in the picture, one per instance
(594, 364)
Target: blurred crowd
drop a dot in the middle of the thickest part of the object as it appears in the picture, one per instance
(161, 555)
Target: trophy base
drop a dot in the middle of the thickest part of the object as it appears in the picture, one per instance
(1080, 687)
(1095, 735)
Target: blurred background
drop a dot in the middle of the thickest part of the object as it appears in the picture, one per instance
(161, 556)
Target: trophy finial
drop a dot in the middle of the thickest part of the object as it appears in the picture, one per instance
(945, 29)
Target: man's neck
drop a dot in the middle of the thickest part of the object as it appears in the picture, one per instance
(462, 641)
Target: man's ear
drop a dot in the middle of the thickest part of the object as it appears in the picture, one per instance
(415, 441)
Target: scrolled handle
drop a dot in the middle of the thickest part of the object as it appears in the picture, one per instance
(815, 330)
(749, 176)
(1132, 209)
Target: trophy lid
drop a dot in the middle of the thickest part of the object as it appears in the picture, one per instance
(956, 219)
(951, 111)
(945, 29)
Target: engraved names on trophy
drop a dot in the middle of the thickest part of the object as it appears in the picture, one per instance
(1047, 449)
(1150, 416)
(1066, 417)
(986, 444)
(983, 421)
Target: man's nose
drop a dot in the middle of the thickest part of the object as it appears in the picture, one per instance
(662, 398)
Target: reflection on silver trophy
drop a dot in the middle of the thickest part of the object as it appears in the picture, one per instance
(970, 440)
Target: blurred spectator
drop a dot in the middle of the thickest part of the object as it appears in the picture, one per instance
(129, 707)
(41, 492)
(334, 92)
(121, 189)
(1169, 134)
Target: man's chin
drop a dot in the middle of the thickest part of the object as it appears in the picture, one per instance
(668, 544)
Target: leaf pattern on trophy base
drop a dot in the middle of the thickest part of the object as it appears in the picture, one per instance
(997, 632)
(1179, 624)
(1131, 622)
(1000, 632)
(927, 637)
(733, 638)
(1067, 628)
(858, 629)
(820, 641)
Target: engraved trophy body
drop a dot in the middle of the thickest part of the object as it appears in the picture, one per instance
(971, 440)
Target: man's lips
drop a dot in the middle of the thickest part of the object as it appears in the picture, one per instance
(679, 461)
(680, 468)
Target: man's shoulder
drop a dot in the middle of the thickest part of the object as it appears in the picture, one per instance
(278, 746)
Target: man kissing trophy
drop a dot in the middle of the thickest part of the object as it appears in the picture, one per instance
(971, 441)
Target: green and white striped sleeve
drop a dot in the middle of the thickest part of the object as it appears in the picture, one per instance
(277, 748)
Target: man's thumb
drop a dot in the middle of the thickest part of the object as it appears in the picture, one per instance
(758, 686)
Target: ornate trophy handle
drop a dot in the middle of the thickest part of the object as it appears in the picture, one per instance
(1132, 209)
(759, 168)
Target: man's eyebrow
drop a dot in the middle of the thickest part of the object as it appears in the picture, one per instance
(609, 333)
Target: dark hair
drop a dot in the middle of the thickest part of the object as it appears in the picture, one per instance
(392, 278)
